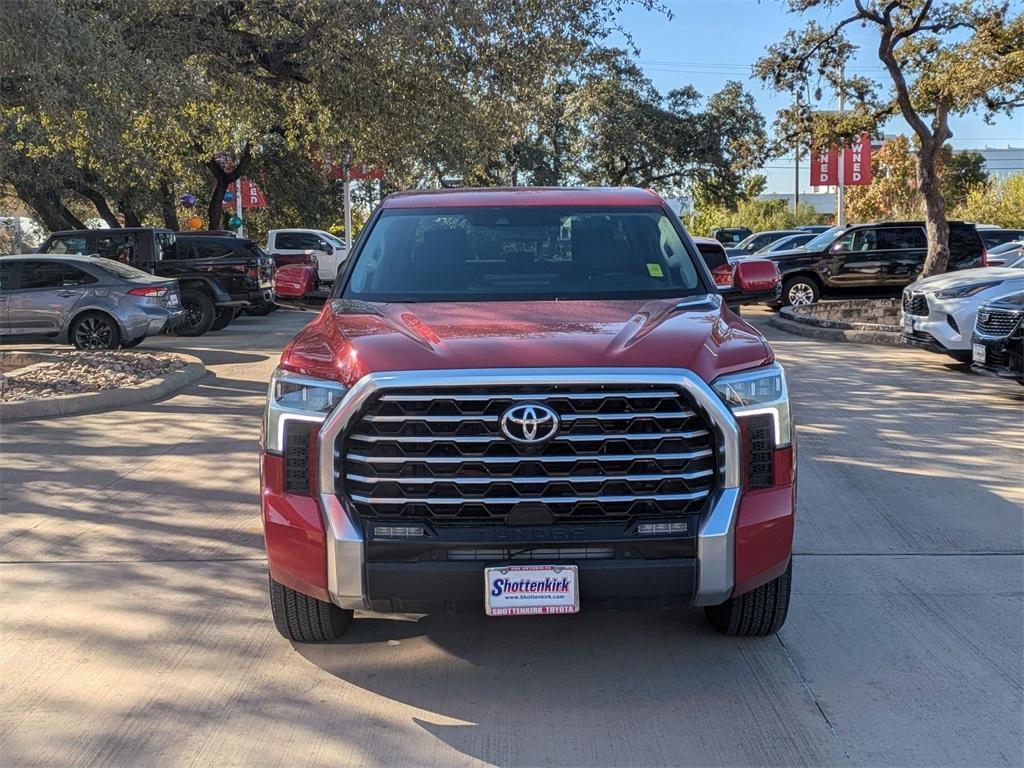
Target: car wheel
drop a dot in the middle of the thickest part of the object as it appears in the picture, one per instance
(761, 611)
(94, 330)
(224, 316)
(132, 342)
(800, 291)
(200, 313)
(305, 619)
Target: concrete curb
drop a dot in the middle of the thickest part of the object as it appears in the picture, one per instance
(854, 335)
(106, 400)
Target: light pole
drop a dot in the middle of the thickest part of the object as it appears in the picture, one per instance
(346, 164)
(841, 155)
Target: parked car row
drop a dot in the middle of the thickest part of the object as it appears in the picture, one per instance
(962, 314)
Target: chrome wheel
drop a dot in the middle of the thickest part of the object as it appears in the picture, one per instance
(94, 333)
(800, 294)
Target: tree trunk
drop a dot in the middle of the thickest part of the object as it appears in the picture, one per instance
(935, 212)
(215, 212)
(131, 218)
(168, 209)
(50, 210)
(100, 204)
(221, 180)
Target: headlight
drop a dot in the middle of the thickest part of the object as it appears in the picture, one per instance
(966, 290)
(296, 398)
(762, 391)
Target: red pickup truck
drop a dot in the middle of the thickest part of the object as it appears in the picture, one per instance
(524, 401)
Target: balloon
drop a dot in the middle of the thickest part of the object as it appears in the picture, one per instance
(229, 196)
(195, 223)
(234, 222)
(187, 201)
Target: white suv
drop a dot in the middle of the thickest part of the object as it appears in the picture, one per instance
(939, 311)
(328, 250)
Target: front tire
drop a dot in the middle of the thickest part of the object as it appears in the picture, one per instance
(304, 619)
(800, 291)
(760, 612)
(94, 330)
(200, 313)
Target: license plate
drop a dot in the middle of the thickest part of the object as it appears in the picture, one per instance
(172, 300)
(978, 353)
(908, 324)
(521, 590)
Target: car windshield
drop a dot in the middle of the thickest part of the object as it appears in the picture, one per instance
(118, 269)
(824, 239)
(522, 253)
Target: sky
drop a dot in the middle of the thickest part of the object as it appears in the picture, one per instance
(707, 42)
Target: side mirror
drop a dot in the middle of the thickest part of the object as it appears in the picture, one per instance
(756, 278)
(327, 248)
(297, 286)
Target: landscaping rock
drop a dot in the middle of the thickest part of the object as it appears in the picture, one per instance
(67, 373)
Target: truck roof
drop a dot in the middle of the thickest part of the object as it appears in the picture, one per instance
(503, 197)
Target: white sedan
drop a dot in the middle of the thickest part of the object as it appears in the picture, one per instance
(939, 311)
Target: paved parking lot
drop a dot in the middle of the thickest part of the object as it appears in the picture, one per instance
(135, 628)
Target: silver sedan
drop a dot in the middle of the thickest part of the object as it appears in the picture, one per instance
(87, 301)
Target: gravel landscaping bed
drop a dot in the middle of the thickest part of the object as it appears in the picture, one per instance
(70, 373)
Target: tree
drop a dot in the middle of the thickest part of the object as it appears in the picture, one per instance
(626, 132)
(959, 173)
(892, 193)
(941, 58)
(1000, 202)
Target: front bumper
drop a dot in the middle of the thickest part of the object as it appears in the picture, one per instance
(319, 547)
(945, 329)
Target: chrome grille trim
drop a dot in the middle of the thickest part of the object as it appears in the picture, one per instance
(686, 456)
(498, 439)
(539, 553)
(511, 500)
(345, 550)
(518, 480)
(494, 418)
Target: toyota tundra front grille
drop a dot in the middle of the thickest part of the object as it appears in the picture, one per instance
(997, 323)
(477, 455)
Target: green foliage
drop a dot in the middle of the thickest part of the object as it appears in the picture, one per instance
(960, 172)
(758, 215)
(118, 109)
(999, 202)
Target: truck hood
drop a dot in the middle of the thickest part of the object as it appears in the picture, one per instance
(351, 339)
(964, 277)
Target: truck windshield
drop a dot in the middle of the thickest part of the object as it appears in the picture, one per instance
(522, 253)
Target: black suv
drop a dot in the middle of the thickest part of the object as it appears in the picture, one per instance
(998, 344)
(218, 275)
(877, 258)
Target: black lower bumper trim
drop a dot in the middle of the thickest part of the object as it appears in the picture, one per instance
(459, 586)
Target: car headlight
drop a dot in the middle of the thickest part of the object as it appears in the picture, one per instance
(293, 397)
(966, 290)
(762, 391)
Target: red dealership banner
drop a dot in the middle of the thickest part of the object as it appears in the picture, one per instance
(252, 195)
(856, 165)
(857, 162)
(824, 171)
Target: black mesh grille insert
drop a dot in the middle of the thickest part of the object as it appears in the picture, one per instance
(760, 458)
(297, 439)
(995, 322)
(915, 304)
(621, 452)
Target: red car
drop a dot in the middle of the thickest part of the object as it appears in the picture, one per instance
(525, 401)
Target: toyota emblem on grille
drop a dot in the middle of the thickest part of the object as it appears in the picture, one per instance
(529, 423)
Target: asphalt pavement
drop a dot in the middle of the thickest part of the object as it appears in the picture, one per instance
(135, 627)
